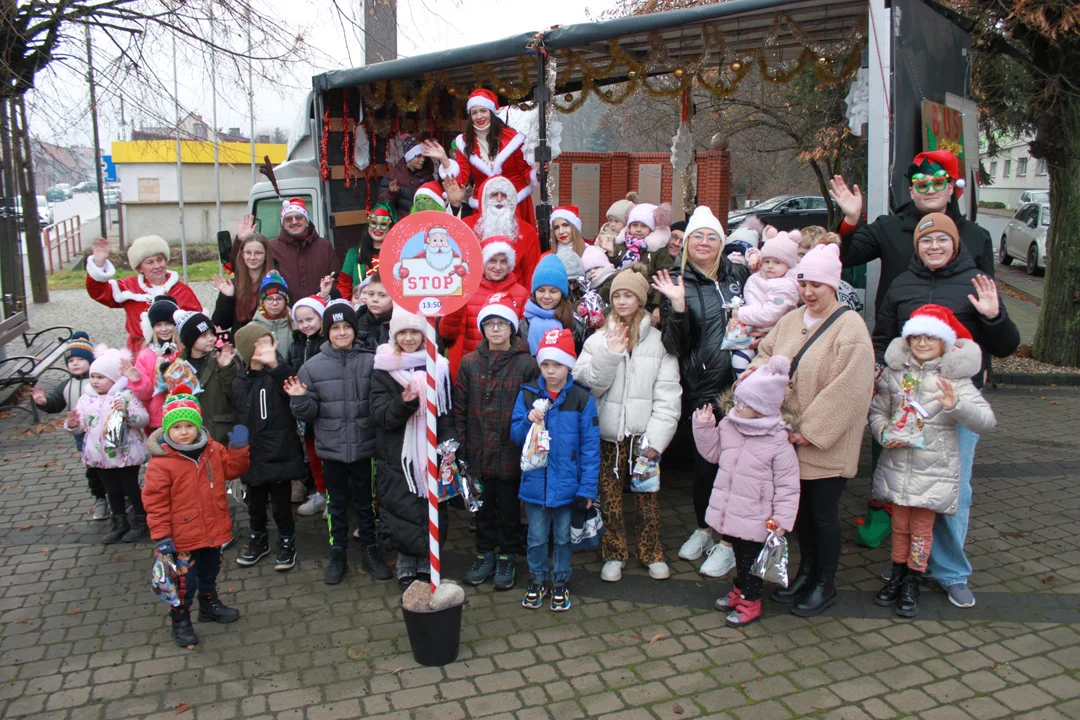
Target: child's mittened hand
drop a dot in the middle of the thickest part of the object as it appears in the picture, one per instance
(947, 396)
(294, 387)
(165, 546)
(238, 437)
(535, 416)
(705, 413)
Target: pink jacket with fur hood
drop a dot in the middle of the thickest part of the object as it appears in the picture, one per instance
(758, 476)
(768, 300)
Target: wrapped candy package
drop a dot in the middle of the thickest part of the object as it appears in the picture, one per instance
(737, 336)
(771, 563)
(907, 421)
(535, 453)
(454, 479)
(645, 475)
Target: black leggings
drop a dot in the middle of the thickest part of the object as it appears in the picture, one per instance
(818, 522)
(279, 495)
(121, 482)
(746, 552)
(704, 477)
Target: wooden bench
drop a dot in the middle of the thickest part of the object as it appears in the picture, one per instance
(39, 352)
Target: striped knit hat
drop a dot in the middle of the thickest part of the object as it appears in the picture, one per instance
(181, 406)
(79, 346)
(273, 284)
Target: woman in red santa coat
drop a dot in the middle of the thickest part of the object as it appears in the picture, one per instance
(149, 257)
(489, 147)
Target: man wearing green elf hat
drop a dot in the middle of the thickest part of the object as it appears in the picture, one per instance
(935, 188)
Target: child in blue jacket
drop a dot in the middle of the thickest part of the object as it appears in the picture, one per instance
(573, 464)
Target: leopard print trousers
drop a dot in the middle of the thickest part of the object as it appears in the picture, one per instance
(615, 464)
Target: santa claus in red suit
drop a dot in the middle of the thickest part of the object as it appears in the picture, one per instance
(149, 256)
(439, 258)
(498, 216)
(487, 149)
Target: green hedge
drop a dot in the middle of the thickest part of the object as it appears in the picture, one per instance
(992, 205)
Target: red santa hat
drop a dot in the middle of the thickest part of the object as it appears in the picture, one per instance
(936, 321)
(483, 98)
(315, 302)
(569, 213)
(434, 191)
(499, 305)
(929, 163)
(294, 205)
(557, 345)
(496, 244)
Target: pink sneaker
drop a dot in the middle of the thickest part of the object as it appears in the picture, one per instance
(729, 601)
(746, 612)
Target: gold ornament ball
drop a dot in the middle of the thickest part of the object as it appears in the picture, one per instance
(735, 66)
(632, 74)
(452, 91)
(823, 61)
(679, 72)
(568, 97)
(502, 91)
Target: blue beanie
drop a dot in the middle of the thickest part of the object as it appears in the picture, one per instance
(551, 271)
(79, 346)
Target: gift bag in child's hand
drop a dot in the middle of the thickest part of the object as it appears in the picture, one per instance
(905, 428)
(771, 562)
(737, 336)
(166, 571)
(645, 475)
(535, 453)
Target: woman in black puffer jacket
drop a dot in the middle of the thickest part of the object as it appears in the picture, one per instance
(693, 321)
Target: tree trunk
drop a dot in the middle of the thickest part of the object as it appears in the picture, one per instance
(1059, 321)
(24, 172)
(823, 185)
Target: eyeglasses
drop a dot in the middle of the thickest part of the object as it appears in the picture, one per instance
(921, 338)
(379, 222)
(925, 183)
(254, 255)
(932, 241)
(495, 324)
(295, 219)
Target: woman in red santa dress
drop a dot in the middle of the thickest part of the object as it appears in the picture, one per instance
(489, 147)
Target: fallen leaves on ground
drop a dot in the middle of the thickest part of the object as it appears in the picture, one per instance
(657, 637)
(355, 653)
(182, 708)
(677, 709)
(76, 611)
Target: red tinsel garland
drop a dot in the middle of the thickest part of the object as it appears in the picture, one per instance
(324, 145)
(347, 138)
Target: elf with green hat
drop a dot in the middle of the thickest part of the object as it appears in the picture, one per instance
(365, 257)
(187, 508)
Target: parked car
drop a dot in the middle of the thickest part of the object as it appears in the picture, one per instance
(45, 213)
(1024, 237)
(86, 186)
(1034, 196)
(56, 194)
(112, 197)
(785, 212)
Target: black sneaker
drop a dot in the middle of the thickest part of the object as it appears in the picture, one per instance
(336, 566)
(482, 568)
(404, 581)
(257, 548)
(560, 598)
(504, 572)
(373, 564)
(534, 596)
(286, 554)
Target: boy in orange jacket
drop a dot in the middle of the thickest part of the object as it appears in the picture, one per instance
(186, 506)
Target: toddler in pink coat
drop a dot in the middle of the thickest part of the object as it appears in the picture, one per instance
(758, 479)
(770, 293)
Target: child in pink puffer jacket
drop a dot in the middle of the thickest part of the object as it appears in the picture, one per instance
(162, 347)
(758, 480)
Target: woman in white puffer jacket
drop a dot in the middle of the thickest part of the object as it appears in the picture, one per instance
(635, 382)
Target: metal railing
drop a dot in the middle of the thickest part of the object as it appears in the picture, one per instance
(62, 240)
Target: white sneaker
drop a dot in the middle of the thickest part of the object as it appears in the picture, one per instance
(316, 503)
(612, 571)
(659, 571)
(720, 562)
(700, 542)
(299, 492)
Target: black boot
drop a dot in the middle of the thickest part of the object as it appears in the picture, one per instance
(286, 553)
(803, 579)
(373, 564)
(257, 548)
(138, 530)
(336, 566)
(182, 631)
(118, 527)
(887, 595)
(816, 599)
(908, 603)
(211, 609)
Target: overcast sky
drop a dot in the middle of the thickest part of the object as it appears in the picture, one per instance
(59, 105)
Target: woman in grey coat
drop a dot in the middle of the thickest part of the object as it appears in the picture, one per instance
(922, 397)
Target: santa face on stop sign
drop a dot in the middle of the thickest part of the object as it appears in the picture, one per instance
(435, 270)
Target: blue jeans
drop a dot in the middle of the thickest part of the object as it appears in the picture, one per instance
(543, 521)
(948, 563)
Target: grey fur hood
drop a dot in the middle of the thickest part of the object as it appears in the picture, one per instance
(963, 361)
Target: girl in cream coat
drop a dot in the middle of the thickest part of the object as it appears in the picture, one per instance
(635, 382)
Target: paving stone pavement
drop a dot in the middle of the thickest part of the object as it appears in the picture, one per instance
(82, 636)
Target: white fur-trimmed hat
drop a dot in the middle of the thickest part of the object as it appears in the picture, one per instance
(146, 247)
(569, 213)
(499, 305)
(315, 302)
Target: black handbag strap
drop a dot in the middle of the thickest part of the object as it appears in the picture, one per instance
(818, 333)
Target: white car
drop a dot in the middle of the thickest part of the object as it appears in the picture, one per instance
(1025, 237)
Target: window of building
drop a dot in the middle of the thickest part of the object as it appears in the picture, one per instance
(1021, 167)
(1008, 168)
(993, 168)
(1040, 167)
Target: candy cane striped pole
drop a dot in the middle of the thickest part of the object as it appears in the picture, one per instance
(433, 461)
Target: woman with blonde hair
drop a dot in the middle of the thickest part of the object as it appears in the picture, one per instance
(694, 318)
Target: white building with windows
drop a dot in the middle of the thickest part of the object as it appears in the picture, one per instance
(1013, 172)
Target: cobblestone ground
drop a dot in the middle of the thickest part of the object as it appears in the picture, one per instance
(82, 636)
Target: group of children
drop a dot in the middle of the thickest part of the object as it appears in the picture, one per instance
(337, 388)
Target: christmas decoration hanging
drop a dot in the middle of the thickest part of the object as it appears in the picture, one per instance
(362, 152)
(858, 101)
(682, 148)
